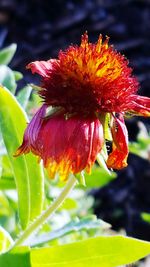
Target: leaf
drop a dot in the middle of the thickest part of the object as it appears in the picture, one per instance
(96, 252)
(6, 167)
(69, 204)
(87, 223)
(145, 216)
(27, 173)
(7, 54)
(102, 163)
(142, 145)
(24, 95)
(5, 240)
(18, 75)
(7, 78)
(4, 205)
(19, 257)
(36, 185)
(2, 146)
(98, 178)
(6, 184)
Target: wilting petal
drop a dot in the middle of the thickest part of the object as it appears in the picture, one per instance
(41, 67)
(140, 105)
(65, 145)
(117, 159)
(70, 145)
(31, 133)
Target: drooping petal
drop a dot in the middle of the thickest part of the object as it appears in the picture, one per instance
(70, 145)
(117, 159)
(140, 105)
(31, 134)
(65, 145)
(41, 67)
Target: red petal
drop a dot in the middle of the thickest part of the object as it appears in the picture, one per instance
(65, 145)
(31, 134)
(140, 105)
(41, 67)
(70, 145)
(117, 158)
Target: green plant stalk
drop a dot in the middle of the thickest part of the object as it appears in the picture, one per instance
(33, 227)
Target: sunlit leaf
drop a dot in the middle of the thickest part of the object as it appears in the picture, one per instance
(96, 252)
(98, 178)
(27, 173)
(7, 54)
(19, 257)
(6, 184)
(69, 204)
(4, 205)
(6, 166)
(5, 240)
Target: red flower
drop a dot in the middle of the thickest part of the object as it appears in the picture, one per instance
(86, 82)
(66, 145)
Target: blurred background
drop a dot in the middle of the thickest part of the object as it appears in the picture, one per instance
(41, 29)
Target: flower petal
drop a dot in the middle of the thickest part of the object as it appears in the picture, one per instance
(70, 145)
(41, 67)
(65, 145)
(117, 158)
(140, 105)
(31, 134)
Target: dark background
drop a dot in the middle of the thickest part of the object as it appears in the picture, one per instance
(41, 28)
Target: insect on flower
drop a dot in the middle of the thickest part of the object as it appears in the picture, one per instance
(90, 88)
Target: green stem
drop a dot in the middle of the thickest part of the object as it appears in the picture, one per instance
(33, 227)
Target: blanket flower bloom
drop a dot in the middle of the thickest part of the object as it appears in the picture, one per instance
(90, 88)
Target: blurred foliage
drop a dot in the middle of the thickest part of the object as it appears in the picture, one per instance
(141, 147)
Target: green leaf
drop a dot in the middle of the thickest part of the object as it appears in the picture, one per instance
(7, 54)
(99, 251)
(146, 217)
(102, 163)
(6, 166)
(96, 252)
(69, 204)
(5, 240)
(98, 178)
(36, 185)
(6, 184)
(24, 95)
(142, 145)
(7, 78)
(28, 174)
(87, 223)
(4, 205)
(18, 75)
(19, 257)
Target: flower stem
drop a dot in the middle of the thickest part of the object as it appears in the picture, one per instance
(33, 227)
